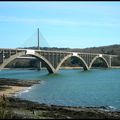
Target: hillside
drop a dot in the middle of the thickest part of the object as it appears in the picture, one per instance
(111, 49)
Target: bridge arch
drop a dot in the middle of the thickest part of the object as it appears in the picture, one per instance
(49, 67)
(85, 66)
(97, 57)
(48, 64)
(8, 60)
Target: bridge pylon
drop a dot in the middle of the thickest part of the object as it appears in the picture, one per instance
(38, 39)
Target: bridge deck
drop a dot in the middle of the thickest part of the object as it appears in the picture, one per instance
(9, 49)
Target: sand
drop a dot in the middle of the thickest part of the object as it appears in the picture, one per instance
(10, 90)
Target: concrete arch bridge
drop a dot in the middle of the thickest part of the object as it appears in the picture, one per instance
(53, 59)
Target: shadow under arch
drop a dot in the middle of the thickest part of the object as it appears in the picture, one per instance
(47, 63)
(98, 57)
(85, 66)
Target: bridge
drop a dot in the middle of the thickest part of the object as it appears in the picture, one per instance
(53, 59)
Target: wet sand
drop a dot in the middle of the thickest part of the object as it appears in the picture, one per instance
(11, 90)
(9, 87)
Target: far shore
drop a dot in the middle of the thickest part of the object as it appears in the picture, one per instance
(41, 68)
(70, 67)
(114, 67)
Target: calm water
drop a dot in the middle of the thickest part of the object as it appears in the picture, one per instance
(97, 87)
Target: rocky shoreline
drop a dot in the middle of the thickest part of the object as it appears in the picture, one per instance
(25, 109)
(35, 110)
(17, 82)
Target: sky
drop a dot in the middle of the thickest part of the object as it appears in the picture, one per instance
(61, 24)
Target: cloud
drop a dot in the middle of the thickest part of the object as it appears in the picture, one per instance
(37, 20)
(16, 19)
(59, 22)
(60, 5)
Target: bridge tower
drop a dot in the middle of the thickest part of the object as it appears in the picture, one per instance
(38, 38)
(39, 62)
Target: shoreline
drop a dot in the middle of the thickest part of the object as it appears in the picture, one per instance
(14, 91)
(12, 87)
(50, 111)
(116, 67)
(112, 67)
(60, 112)
(10, 91)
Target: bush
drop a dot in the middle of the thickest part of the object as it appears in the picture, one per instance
(5, 112)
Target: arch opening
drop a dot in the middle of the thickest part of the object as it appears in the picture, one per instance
(72, 61)
(23, 62)
(99, 62)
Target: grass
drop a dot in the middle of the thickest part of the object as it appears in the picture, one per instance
(5, 112)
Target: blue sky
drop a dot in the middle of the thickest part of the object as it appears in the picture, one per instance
(63, 24)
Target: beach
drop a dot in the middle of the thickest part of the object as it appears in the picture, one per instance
(11, 90)
(9, 87)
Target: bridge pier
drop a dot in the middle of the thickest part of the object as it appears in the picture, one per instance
(1, 57)
(110, 61)
(39, 66)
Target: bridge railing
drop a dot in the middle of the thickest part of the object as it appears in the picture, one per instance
(74, 52)
(20, 50)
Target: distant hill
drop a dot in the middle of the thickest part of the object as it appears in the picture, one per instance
(111, 49)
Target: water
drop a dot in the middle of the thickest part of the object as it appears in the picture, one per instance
(97, 87)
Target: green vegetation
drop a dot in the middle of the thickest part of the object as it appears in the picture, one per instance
(5, 111)
(23, 63)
